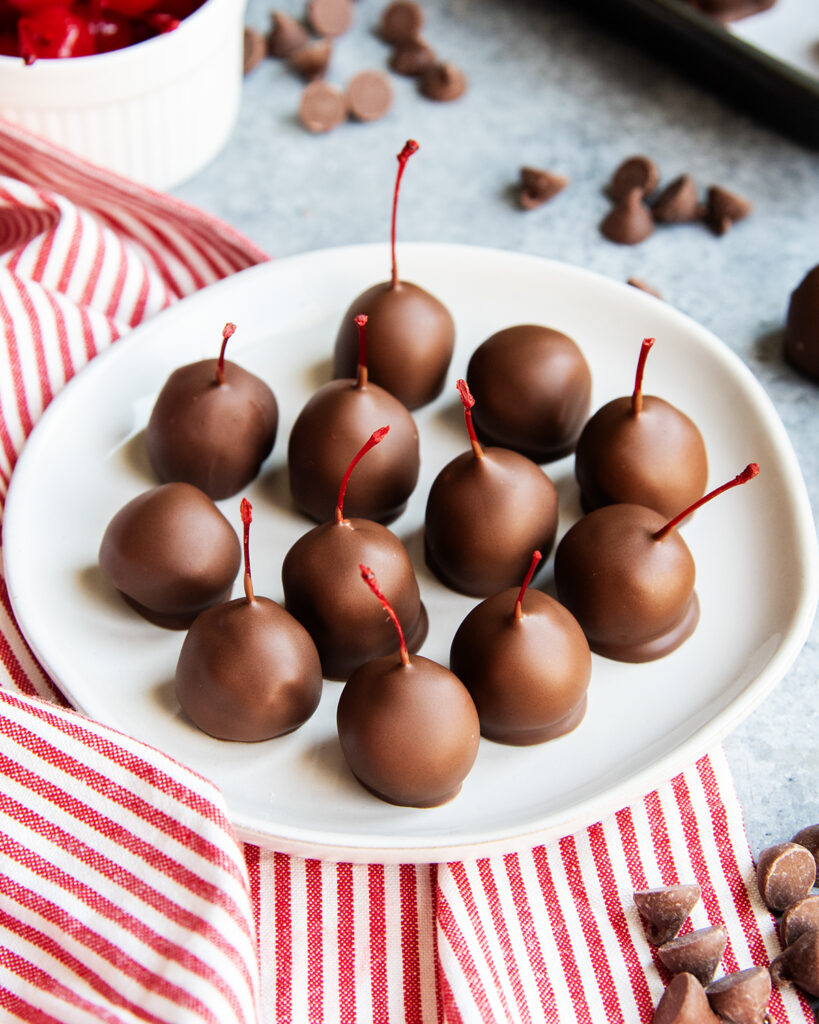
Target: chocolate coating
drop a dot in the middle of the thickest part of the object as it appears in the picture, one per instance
(785, 873)
(632, 595)
(410, 338)
(666, 909)
(802, 326)
(698, 953)
(322, 589)
(741, 997)
(684, 1002)
(528, 676)
(349, 414)
(171, 554)
(656, 458)
(485, 517)
(410, 733)
(214, 436)
(532, 390)
(248, 671)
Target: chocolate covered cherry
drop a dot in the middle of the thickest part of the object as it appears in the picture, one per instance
(213, 425)
(322, 588)
(247, 669)
(171, 554)
(345, 412)
(643, 450)
(526, 663)
(487, 510)
(407, 726)
(410, 334)
(532, 389)
(628, 578)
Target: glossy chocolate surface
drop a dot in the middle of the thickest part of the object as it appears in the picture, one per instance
(632, 595)
(802, 326)
(323, 590)
(532, 389)
(410, 338)
(347, 415)
(214, 436)
(248, 671)
(485, 517)
(171, 553)
(656, 458)
(410, 733)
(528, 676)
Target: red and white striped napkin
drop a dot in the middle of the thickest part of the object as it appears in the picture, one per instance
(124, 896)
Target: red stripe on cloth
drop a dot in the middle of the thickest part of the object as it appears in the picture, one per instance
(490, 888)
(378, 942)
(408, 890)
(283, 923)
(659, 837)
(44, 251)
(345, 896)
(315, 947)
(71, 256)
(62, 338)
(448, 1008)
(530, 937)
(561, 933)
(461, 950)
(631, 848)
(21, 399)
(46, 393)
(137, 888)
(88, 335)
(252, 856)
(26, 684)
(24, 1010)
(12, 665)
(90, 286)
(432, 881)
(617, 919)
(118, 286)
(142, 298)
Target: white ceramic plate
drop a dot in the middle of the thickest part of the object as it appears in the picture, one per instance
(755, 551)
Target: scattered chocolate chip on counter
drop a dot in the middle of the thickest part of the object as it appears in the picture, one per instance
(725, 209)
(798, 918)
(286, 34)
(539, 186)
(630, 221)
(741, 997)
(330, 17)
(809, 837)
(666, 909)
(412, 58)
(369, 95)
(443, 82)
(698, 953)
(644, 286)
(678, 203)
(799, 963)
(322, 107)
(785, 873)
(310, 61)
(401, 22)
(255, 49)
(684, 1002)
(802, 353)
(635, 172)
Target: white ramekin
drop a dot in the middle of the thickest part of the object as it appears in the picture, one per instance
(156, 112)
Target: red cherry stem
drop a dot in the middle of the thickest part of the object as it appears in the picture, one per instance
(410, 147)
(536, 557)
(227, 332)
(637, 396)
(747, 474)
(375, 438)
(468, 402)
(369, 578)
(246, 510)
(361, 324)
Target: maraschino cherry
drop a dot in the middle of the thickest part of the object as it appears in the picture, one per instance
(347, 411)
(643, 450)
(321, 586)
(627, 576)
(526, 662)
(487, 510)
(411, 334)
(407, 725)
(247, 669)
(213, 425)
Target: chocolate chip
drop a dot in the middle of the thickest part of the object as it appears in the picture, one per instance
(785, 873)
(666, 909)
(369, 95)
(310, 61)
(742, 997)
(322, 107)
(725, 209)
(809, 837)
(330, 17)
(286, 34)
(401, 22)
(255, 48)
(443, 82)
(412, 58)
(630, 221)
(799, 917)
(799, 963)
(678, 202)
(538, 186)
(697, 953)
(684, 1002)
(635, 172)
(644, 286)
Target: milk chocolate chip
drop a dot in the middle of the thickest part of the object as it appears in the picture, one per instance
(742, 997)
(322, 107)
(809, 837)
(684, 1002)
(678, 202)
(697, 953)
(538, 186)
(401, 22)
(635, 172)
(286, 34)
(785, 873)
(725, 209)
(799, 917)
(799, 963)
(330, 17)
(630, 221)
(412, 57)
(665, 910)
(310, 61)
(802, 352)
(369, 95)
(255, 49)
(443, 82)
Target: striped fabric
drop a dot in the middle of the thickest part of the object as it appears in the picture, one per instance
(123, 894)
